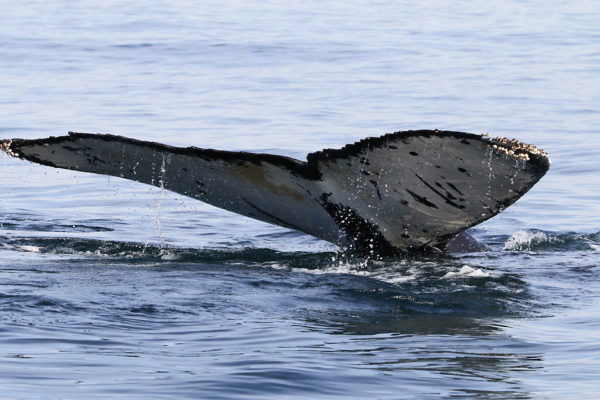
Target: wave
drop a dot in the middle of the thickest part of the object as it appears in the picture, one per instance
(317, 262)
(133, 252)
(394, 271)
(537, 240)
(339, 290)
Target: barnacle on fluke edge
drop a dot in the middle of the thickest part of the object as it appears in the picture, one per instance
(403, 191)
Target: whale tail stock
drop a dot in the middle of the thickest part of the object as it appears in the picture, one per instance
(403, 191)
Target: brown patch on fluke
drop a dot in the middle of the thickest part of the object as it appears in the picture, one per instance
(258, 175)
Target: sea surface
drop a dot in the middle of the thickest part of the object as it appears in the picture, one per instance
(112, 289)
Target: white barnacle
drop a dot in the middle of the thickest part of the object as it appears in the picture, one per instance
(5, 146)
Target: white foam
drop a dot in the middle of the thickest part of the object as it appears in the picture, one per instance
(168, 255)
(467, 271)
(398, 279)
(357, 269)
(340, 268)
(524, 239)
(30, 249)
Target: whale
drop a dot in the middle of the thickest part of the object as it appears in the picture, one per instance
(402, 192)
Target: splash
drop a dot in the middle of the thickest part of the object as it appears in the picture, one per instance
(526, 240)
(535, 240)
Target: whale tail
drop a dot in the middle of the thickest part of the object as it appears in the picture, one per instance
(412, 190)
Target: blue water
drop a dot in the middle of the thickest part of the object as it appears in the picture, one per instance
(114, 289)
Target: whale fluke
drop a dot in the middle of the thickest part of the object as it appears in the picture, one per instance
(403, 191)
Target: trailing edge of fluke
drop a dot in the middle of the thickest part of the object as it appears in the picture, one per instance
(400, 192)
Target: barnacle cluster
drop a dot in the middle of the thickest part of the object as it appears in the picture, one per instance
(5, 146)
(514, 148)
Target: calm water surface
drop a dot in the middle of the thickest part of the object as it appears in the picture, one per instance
(111, 288)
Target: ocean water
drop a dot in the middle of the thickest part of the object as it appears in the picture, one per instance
(112, 288)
